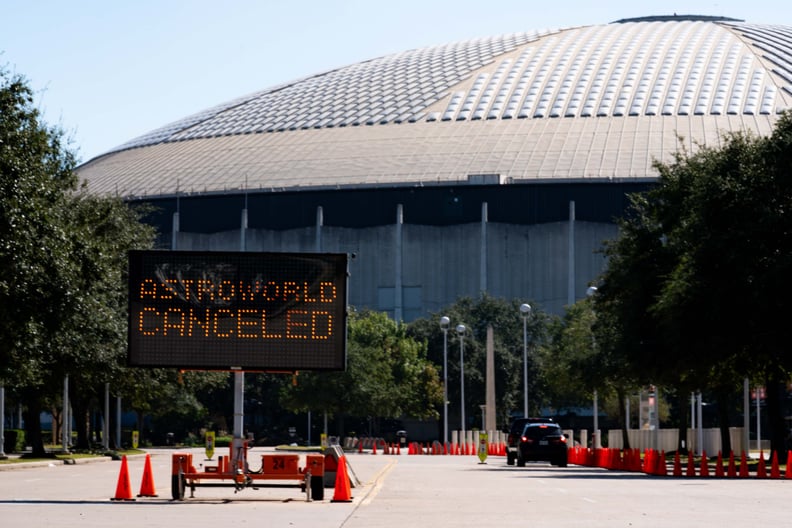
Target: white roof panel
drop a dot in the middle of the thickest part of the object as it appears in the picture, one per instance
(640, 83)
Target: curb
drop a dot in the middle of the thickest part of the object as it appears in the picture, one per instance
(58, 462)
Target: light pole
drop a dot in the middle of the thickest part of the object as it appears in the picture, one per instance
(525, 310)
(590, 292)
(444, 322)
(461, 333)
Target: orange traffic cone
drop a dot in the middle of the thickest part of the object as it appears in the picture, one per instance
(788, 472)
(343, 490)
(374, 448)
(661, 465)
(743, 466)
(677, 472)
(124, 486)
(761, 469)
(719, 465)
(647, 462)
(691, 468)
(147, 484)
(732, 471)
(704, 464)
(775, 472)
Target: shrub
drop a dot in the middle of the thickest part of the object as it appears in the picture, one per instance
(14, 440)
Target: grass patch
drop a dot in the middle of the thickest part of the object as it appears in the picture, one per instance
(56, 456)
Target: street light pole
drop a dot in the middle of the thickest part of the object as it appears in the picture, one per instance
(461, 333)
(444, 322)
(525, 310)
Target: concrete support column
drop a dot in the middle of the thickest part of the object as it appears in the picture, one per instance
(571, 256)
(483, 266)
(175, 230)
(398, 314)
(319, 225)
(175, 227)
(243, 227)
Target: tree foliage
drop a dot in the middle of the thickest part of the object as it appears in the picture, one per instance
(387, 376)
(507, 323)
(63, 253)
(695, 293)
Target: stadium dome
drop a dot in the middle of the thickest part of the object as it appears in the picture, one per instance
(496, 164)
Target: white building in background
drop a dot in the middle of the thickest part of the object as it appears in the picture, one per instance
(495, 164)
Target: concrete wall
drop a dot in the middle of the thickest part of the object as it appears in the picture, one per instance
(439, 264)
(666, 439)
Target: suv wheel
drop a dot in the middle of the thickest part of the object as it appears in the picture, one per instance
(510, 458)
(520, 461)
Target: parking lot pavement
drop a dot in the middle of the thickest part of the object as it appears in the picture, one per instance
(397, 491)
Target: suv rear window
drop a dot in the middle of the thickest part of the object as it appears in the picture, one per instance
(518, 425)
(536, 431)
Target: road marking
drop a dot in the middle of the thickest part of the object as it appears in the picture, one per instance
(592, 501)
(378, 481)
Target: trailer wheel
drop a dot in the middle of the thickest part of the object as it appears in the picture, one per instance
(177, 487)
(317, 488)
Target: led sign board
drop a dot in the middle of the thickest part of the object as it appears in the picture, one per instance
(237, 310)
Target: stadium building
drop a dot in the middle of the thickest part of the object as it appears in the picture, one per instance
(492, 165)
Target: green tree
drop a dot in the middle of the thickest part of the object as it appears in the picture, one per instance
(387, 376)
(91, 342)
(35, 177)
(735, 235)
(63, 252)
(507, 323)
(695, 292)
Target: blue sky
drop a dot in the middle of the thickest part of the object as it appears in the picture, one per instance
(108, 71)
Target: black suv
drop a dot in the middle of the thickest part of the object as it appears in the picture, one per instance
(515, 432)
(542, 441)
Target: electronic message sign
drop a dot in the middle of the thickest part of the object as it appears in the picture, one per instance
(237, 310)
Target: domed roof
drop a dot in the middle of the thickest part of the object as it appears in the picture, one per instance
(598, 101)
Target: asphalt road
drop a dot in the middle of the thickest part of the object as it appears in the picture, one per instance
(398, 492)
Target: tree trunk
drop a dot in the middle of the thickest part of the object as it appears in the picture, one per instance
(620, 394)
(723, 421)
(113, 419)
(32, 416)
(81, 421)
(139, 415)
(57, 423)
